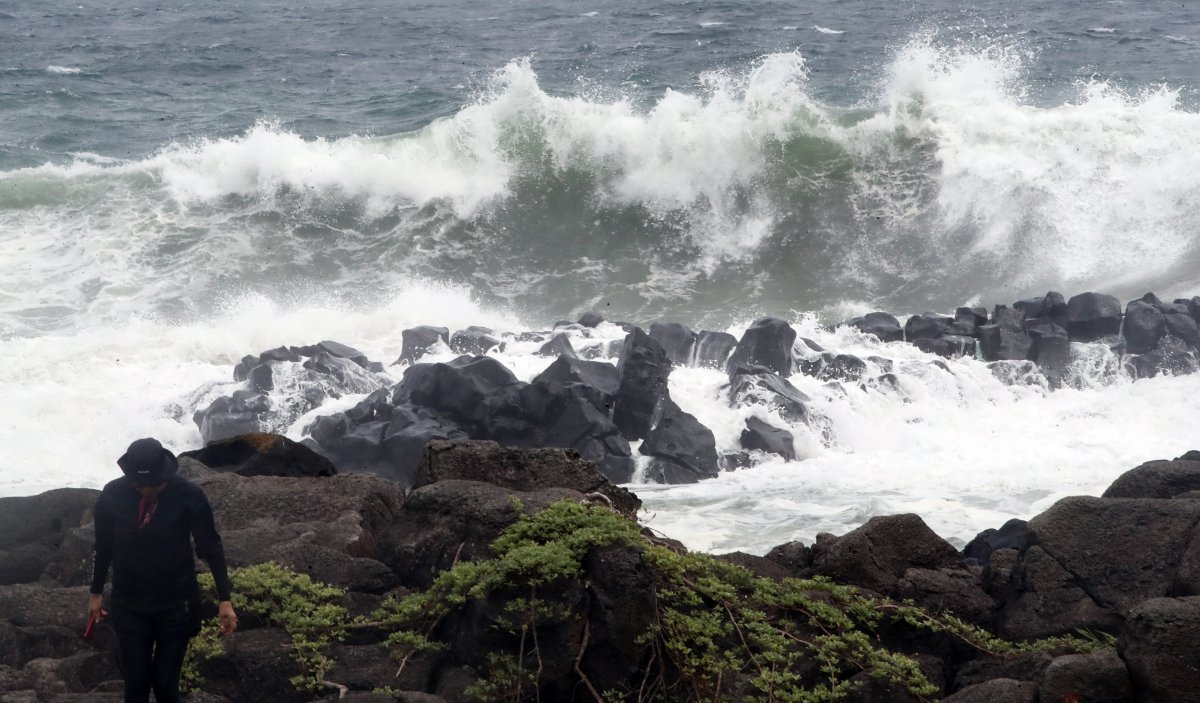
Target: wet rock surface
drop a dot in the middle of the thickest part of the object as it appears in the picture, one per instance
(1126, 566)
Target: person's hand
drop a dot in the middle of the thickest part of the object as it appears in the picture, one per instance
(95, 609)
(228, 618)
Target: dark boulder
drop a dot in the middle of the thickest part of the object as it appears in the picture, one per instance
(947, 590)
(328, 528)
(457, 389)
(1157, 479)
(948, 346)
(771, 390)
(417, 341)
(259, 668)
(881, 324)
(1013, 534)
(1099, 676)
(1161, 646)
(1051, 308)
(451, 521)
(350, 446)
(768, 343)
(243, 412)
(1051, 351)
(476, 341)
(677, 340)
(405, 438)
(33, 528)
(622, 606)
(967, 321)
(519, 469)
(262, 454)
(843, 367)
(1172, 357)
(793, 557)
(876, 555)
(1069, 579)
(590, 319)
(973, 316)
(1091, 316)
(1004, 343)
(685, 450)
(337, 350)
(763, 436)
(544, 414)
(997, 691)
(927, 326)
(241, 372)
(712, 349)
(1009, 318)
(1182, 326)
(600, 375)
(560, 345)
(644, 369)
(1144, 327)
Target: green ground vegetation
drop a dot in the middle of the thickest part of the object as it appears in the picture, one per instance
(718, 632)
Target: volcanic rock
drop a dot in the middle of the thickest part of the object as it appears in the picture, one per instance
(1144, 327)
(519, 469)
(1091, 316)
(712, 349)
(686, 450)
(881, 324)
(767, 343)
(927, 326)
(1161, 646)
(476, 341)
(769, 389)
(763, 436)
(677, 340)
(262, 454)
(644, 369)
(417, 342)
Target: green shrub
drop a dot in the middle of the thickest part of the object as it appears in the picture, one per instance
(306, 610)
(719, 632)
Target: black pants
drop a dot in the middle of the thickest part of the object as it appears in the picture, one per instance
(153, 645)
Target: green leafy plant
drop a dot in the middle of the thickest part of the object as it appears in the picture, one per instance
(718, 632)
(308, 611)
(717, 629)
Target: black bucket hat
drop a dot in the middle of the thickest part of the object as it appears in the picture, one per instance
(147, 462)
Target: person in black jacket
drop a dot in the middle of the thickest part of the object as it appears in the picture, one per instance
(145, 523)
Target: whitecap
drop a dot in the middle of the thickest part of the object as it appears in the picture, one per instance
(827, 30)
(64, 70)
(593, 13)
(1102, 30)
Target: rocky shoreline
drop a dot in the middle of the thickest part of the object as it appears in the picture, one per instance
(621, 415)
(1122, 569)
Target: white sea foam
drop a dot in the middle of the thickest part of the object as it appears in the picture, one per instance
(956, 446)
(64, 70)
(1102, 30)
(826, 30)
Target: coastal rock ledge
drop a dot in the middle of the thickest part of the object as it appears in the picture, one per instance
(1095, 600)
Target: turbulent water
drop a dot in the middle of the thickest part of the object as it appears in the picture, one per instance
(181, 186)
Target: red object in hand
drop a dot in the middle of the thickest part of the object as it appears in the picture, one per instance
(90, 631)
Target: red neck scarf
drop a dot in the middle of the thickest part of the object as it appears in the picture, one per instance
(146, 510)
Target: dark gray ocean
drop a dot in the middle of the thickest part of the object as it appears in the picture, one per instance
(182, 184)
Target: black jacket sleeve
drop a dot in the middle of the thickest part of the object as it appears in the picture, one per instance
(208, 544)
(103, 553)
